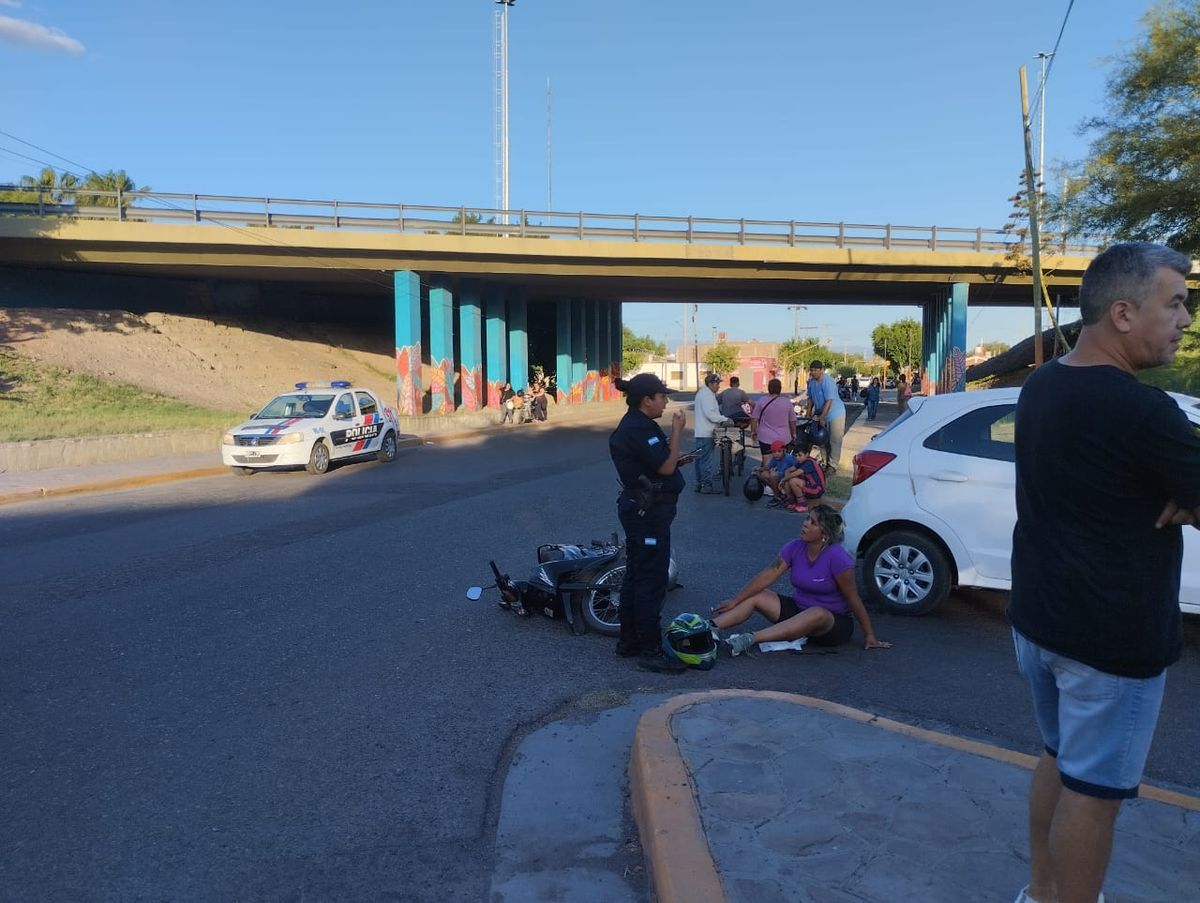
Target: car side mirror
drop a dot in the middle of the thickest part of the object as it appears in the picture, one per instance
(474, 592)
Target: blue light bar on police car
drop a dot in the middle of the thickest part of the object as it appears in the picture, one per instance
(335, 384)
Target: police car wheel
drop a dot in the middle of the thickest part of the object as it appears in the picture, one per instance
(318, 460)
(387, 448)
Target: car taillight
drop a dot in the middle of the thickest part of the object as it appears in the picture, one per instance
(868, 463)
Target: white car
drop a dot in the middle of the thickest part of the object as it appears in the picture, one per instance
(934, 502)
(311, 427)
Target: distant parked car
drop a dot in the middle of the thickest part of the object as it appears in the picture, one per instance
(891, 383)
(312, 427)
(933, 503)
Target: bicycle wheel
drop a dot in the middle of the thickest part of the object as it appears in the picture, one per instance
(726, 465)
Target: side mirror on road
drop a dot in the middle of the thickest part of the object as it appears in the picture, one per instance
(474, 592)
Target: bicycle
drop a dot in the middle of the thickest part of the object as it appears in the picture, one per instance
(730, 459)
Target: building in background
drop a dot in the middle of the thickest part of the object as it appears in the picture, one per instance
(757, 365)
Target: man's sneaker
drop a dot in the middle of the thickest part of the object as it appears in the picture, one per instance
(660, 663)
(776, 502)
(740, 642)
(628, 648)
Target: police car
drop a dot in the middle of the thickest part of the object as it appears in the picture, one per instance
(312, 427)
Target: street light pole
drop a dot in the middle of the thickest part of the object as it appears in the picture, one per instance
(1045, 58)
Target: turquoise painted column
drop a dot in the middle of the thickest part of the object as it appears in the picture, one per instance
(578, 350)
(591, 340)
(407, 299)
(562, 361)
(956, 378)
(497, 345)
(603, 350)
(441, 346)
(518, 342)
(470, 346)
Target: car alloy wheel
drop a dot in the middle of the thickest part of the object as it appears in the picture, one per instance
(318, 461)
(907, 573)
(387, 448)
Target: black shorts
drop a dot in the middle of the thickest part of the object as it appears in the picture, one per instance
(840, 633)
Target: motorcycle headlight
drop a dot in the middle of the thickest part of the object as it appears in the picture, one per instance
(290, 438)
(227, 439)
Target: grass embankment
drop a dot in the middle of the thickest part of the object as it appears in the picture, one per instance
(41, 401)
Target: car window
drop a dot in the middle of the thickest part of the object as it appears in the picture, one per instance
(345, 406)
(982, 433)
(296, 406)
(366, 404)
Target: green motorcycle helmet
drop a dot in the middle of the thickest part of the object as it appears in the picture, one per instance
(689, 638)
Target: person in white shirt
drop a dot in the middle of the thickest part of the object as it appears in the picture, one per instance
(708, 417)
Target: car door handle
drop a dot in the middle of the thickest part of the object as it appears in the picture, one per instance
(949, 476)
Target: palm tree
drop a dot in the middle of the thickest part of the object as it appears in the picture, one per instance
(47, 187)
(113, 183)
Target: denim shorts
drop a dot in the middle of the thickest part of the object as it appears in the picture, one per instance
(1097, 725)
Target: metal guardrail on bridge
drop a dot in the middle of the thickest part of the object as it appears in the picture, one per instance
(291, 213)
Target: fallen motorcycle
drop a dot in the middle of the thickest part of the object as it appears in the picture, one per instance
(578, 583)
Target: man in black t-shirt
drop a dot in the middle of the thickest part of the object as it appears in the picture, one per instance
(1096, 558)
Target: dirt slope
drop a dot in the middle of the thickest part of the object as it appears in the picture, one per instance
(217, 362)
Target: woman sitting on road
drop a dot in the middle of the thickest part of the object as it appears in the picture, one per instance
(822, 573)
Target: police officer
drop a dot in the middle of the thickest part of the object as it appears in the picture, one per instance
(646, 462)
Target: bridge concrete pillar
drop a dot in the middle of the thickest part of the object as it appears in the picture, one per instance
(409, 386)
(441, 346)
(518, 341)
(562, 361)
(603, 350)
(497, 344)
(618, 345)
(578, 349)
(954, 370)
(591, 340)
(470, 346)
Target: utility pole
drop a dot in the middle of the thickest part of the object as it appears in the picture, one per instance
(549, 151)
(1035, 242)
(1044, 57)
(696, 347)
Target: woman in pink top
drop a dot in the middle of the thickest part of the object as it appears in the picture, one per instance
(773, 418)
(825, 603)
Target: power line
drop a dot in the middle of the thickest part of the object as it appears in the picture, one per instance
(1053, 57)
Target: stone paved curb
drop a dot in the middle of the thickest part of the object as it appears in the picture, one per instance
(667, 813)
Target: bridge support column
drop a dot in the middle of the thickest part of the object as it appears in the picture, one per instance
(604, 385)
(954, 361)
(497, 345)
(441, 346)
(518, 342)
(562, 361)
(616, 349)
(591, 341)
(470, 351)
(409, 386)
(578, 349)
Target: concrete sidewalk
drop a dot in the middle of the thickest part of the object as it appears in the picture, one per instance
(759, 796)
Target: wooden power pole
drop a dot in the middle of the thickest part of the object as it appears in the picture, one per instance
(1031, 194)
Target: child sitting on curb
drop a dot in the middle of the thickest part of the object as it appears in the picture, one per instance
(775, 468)
(805, 482)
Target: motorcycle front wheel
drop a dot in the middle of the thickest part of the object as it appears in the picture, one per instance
(601, 605)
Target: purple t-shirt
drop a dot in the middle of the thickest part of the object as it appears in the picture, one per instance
(776, 418)
(814, 583)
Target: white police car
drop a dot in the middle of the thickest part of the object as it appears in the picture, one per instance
(311, 427)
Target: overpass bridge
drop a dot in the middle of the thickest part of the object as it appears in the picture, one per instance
(470, 288)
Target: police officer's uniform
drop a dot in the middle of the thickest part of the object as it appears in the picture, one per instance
(639, 447)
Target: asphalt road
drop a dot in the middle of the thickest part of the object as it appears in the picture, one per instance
(274, 687)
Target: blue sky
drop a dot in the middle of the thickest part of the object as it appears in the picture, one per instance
(870, 111)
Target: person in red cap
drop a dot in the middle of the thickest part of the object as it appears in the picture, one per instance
(774, 469)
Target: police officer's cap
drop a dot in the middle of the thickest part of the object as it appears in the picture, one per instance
(642, 386)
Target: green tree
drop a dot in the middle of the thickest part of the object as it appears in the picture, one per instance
(636, 348)
(721, 358)
(898, 342)
(111, 182)
(995, 348)
(1141, 179)
(48, 187)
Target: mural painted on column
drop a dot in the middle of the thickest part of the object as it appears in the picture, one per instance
(470, 381)
(441, 386)
(954, 372)
(408, 372)
(493, 392)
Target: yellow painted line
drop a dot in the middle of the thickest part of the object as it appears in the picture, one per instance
(664, 797)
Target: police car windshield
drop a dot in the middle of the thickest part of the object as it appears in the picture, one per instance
(296, 406)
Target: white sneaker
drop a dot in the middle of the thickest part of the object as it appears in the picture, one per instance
(768, 491)
(1023, 896)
